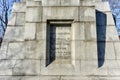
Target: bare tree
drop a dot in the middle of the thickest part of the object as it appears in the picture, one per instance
(5, 9)
(4, 4)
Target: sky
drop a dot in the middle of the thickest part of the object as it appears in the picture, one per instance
(1, 11)
(10, 4)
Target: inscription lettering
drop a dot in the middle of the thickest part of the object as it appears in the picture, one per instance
(60, 41)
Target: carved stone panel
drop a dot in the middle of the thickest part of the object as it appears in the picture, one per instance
(60, 41)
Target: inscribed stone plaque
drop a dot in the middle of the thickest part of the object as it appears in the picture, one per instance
(60, 41)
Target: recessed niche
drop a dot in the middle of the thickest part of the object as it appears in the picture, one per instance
(58, 42)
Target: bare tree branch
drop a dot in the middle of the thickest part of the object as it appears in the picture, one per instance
(5, 6)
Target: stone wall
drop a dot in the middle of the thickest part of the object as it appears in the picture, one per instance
(94, 47)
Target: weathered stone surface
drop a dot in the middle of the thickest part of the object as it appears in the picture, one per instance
(105, 6)
(104, 33)
(37, 11)
(113, 78)
(41, 31)
(60, 69)
(97, 0)
(110, 53)
(35, 49)
(114, 64)
(60, 13)
(16, 51)
(20, 19)
(117, 50)
(111, 30)
(90, 78)
(114, 71)
(43, 78)
(89, 67)
(26, 67)
(110, 20)
(12, 19)
(90, 31)
(5, 78)
(78, 31)
(87, 13)
(78, 52)
(51, 2)
(114, 67)
(25, 54)
(33, 3)
(103, 70)
(35, 78)
(3, 50)
(6, 67)
(14, 34)
(18, 78)
(110, 67)
(87, 3)
(26, 50)
(70, 2)
(30, 31)
(91, 51)
(17, 19)
(79, 78)
(19, 7)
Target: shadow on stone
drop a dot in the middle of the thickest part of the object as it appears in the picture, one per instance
(101, 21)
(58, 40)
(51, 44)
(1, 39)
(114, 17)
